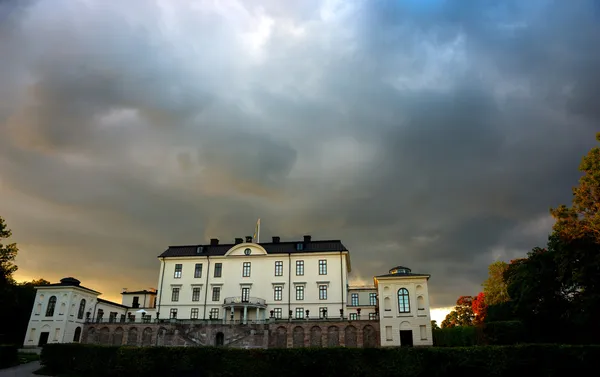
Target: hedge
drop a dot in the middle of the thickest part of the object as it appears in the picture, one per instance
(531, 360)
(493, 333)
(8, 355)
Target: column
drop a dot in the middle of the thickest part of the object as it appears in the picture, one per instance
(257, 314)
(232, 313)
(245, 314)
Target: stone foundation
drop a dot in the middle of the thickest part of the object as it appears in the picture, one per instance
(279, 334)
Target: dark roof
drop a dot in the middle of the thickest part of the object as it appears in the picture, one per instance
(139, 292)
(112, 303)
(407, 274)
(270, 247)
(68, 282)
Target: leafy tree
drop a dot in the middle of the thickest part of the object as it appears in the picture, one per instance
(462, 315)
(434, 325)
(479, 308)
(8, 254)
(494, 287)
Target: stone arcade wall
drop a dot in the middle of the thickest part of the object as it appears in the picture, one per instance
(277, 334)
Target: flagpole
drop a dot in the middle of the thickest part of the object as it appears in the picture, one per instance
(258, 233)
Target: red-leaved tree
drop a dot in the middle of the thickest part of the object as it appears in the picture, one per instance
(479, 308)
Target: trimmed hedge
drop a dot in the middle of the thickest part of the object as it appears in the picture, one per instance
(531, 360)
(493, 333)
(8, 355)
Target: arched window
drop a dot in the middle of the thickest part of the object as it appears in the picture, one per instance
(77, 335)
(81, 308)
(51, 306)
(403, 302)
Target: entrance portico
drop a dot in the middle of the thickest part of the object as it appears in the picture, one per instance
(249, 308)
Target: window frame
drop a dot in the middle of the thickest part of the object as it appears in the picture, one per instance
(194, 313)
(175, 291)
(300, 268)
(216, 293)
(246, 269)
(278, 268)
(354, 302)
(403, 301)
(301, 311)
(218, 270)
(178, 272)
(81, 311)
(277, 313)
(299, 293)
(173, 313)
(212, 312)
(353, 316)
(322, 292)
(51, 306)
(372, 298)
(196, 293)
(245, 294)
(198, 271)
(322, 266)
(278, 293)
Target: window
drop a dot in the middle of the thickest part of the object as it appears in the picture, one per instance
(214, 313)
(247, 251)
(299, 247)
(322, 267)
(372, 316)
(196, 294)
(353, 316)
(423, 330)
(354, 299)
(218, 269)
(278, 293)
(279, 268)
(198, 270)
(173, 313)
(246, 269)
(175, 294)
(300, 292)
(216, 296)
(299, 313)
(388, 333)
(77, 334)
(299, 267)
(81, 309)
(245, 294)
(403, 303)
(322, 292)
(136, 302)
(373, 299)
(100, 315)
(277, 313)
(112, 317)
(323, 312)
(178, 269)
(194, 313)
(51, 306)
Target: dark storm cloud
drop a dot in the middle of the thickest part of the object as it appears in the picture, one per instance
(433, 134)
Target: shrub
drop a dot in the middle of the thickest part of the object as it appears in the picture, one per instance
(533, 360)
(8, 355)
(492, 333)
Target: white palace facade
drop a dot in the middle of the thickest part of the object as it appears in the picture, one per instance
(241, 284)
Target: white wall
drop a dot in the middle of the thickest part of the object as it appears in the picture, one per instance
(146, 300)
(364, 303)
(392, 321)
(261, 282)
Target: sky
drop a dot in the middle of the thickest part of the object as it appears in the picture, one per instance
(430, 134)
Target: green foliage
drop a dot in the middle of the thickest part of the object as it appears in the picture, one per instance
(494, 287)
(493, 333)
(8, 355)
(531, 360)
(8, 253)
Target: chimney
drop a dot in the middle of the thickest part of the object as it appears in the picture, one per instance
(248, 239)
(307, 239)
(239, 240)
(276, 239)
(214, 241)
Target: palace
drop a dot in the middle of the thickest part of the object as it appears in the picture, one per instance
(243, 294)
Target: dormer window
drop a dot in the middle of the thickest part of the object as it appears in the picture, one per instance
(299, 247)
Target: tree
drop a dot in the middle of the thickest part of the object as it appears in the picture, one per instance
(462, 315)
(582, 219)
(8, 254)
(479, 308)
(434, 325)
(494, 287)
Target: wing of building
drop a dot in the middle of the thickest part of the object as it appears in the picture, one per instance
(276, 294)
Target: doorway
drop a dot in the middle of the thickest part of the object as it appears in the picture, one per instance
(406, 338)
(43, 338)
(219, 339)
